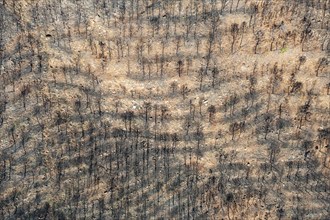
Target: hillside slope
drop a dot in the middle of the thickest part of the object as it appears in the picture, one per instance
(174, 109)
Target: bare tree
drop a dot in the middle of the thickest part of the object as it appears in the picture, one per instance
(321, 64)
(212, 110)
(234, 30)
(258, 37)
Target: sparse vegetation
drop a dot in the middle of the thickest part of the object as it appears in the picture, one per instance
(174, 109)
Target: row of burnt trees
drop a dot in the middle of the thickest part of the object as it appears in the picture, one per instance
(118, 162)
(234, 30)
(93, 148)
(120, 46)
(146, 171)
